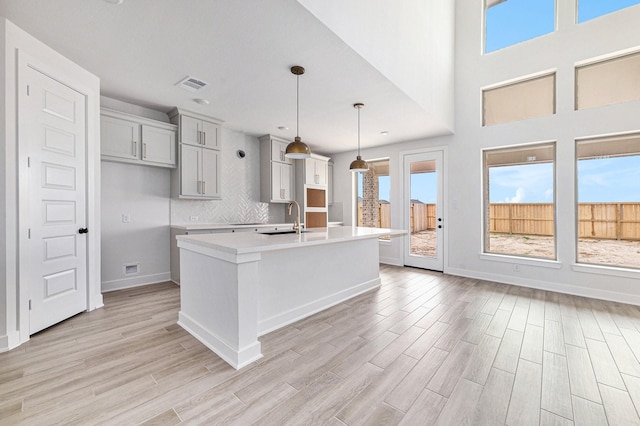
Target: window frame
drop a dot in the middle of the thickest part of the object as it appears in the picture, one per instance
(486, 206)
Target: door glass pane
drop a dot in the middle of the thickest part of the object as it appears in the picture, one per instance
(422, 208)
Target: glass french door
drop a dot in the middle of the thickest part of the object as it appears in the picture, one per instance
(423, 210)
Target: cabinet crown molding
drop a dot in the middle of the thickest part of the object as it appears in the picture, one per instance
(181, 111)
(137, 119)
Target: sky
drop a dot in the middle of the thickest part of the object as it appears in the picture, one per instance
(599, 180)
(513, 21)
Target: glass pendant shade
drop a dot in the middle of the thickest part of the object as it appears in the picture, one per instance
(297, 149)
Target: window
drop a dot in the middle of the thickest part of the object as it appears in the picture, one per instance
(589, 9)
(374, 209)
(508, 22)
(608, 82)
(530, 98)
(519, 187)
(609, 201)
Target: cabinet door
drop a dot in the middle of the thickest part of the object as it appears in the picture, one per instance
(330, 183)
(277, 152)
(119, 138)
(286, 181)
(210, 185)
(210, 136)
(190, 165)
(322, 172)
(310, 171)
(158, 145)
(190, 131)
(281, 182)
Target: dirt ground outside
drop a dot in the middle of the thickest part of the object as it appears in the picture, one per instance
(601, 252)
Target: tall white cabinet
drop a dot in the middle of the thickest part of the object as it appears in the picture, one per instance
(199, 155)
(276, 171)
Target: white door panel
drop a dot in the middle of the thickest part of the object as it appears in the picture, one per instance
(423, 210)
(53, 131)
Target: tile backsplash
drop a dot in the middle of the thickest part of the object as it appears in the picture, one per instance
(240, 180)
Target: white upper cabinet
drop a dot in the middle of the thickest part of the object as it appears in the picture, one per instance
(137, 140)
(199, 132)
(276, 171)
(316, 170)
(198, 174)
(278, 148)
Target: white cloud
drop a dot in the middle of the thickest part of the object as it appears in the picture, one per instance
(519, 197)
(548, 194)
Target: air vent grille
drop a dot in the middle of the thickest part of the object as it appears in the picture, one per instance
(191, 84)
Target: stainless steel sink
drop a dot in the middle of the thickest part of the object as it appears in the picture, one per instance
(280, 231)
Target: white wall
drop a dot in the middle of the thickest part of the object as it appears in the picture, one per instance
(558, 51)
(142, 192)
(14, 295)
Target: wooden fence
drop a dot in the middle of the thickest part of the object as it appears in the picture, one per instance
(610, 221)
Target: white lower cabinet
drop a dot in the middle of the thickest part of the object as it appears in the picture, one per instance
(199, 172)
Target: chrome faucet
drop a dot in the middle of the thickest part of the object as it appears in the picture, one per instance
(296, 224)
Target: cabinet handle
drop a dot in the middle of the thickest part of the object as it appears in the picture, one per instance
(198, 186)
(199, 137)
(144, 150)
(204, 190)
(135, 148)
(281, 155)
(282, 194)
(204, 138)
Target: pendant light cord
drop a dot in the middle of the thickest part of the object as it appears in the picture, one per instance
(358, 132)
(297, 105)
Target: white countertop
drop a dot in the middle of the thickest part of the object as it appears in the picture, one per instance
(250, 242)
(205, 226)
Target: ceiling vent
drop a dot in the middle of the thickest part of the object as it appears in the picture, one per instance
(191, 84)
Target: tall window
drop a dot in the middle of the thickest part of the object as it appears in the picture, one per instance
(519, 201)
(374, 209)
(609, 201)
(508, 22)
(589, 9)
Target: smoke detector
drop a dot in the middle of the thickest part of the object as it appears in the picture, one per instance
(191, 84)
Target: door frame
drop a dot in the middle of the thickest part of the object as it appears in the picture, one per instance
(69, 74)
(443, 149)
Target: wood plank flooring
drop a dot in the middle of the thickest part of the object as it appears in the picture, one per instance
(425, 348)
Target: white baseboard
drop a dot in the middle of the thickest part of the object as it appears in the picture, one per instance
(9, 341)
(391, 261)
(236, 358)
(278, 321)
(137, 281)
(595, 293)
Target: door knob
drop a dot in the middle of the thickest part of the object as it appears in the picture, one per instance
(83, 231)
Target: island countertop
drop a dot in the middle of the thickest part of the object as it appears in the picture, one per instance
(246, 243)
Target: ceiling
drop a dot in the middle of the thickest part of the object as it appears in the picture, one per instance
(244, 49)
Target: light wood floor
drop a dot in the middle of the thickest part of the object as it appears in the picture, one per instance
(424, 349)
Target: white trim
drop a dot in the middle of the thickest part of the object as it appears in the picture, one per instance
(518, 260)
(615, 271)
(275, 322)
(138, 281)
(9, 341)
(237, 359)
(391, 261)
(595, 293)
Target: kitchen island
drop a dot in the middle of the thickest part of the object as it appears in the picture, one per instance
(237, 287)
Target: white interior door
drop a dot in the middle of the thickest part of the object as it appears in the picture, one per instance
(52, 126)
(423, 210)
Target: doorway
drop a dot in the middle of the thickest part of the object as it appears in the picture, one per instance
(423, 210)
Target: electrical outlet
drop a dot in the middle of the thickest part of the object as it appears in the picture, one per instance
(126, 218)
(193, 218)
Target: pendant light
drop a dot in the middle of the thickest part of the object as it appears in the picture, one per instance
(358, 165)
(297, 149)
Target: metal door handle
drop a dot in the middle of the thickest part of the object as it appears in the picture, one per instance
(83, 231)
